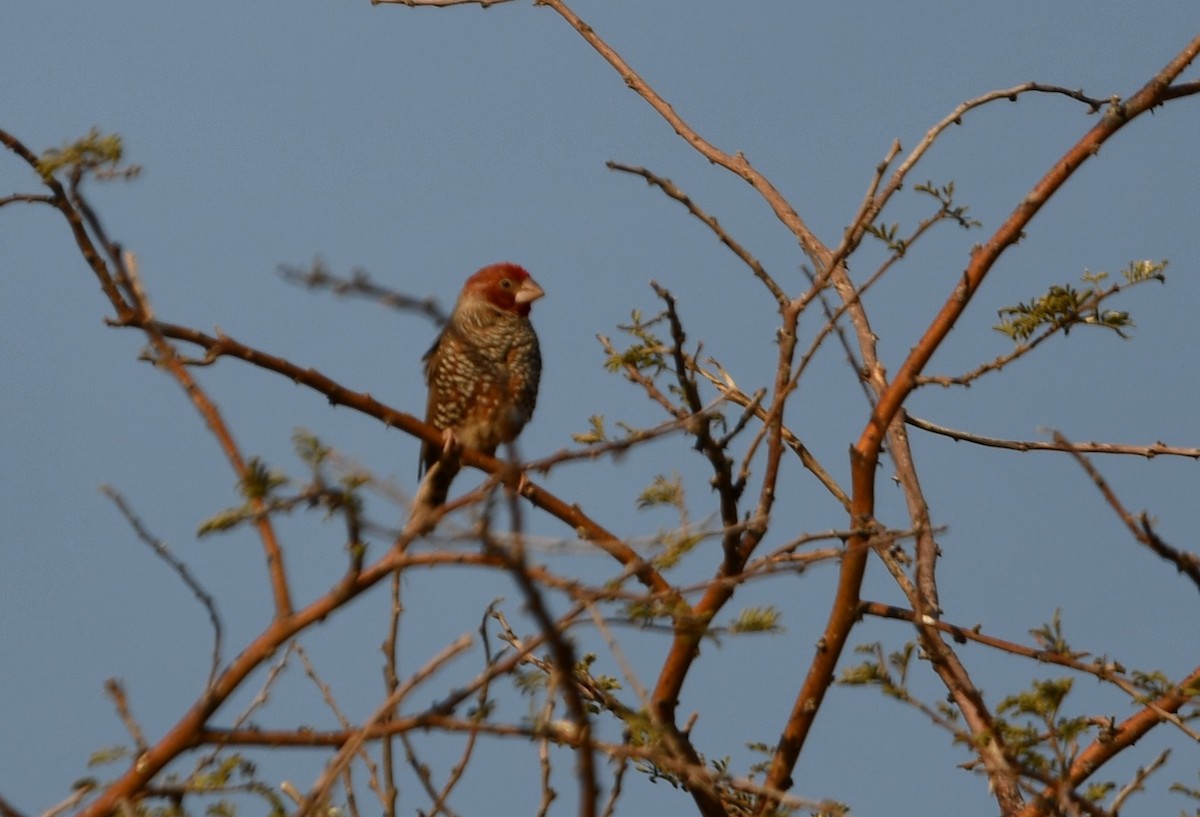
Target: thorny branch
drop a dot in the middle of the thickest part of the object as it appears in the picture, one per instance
(118, 277)
(318, 276)
(163, 552)
(1149, 451)
(1141, 528)
(668, 187)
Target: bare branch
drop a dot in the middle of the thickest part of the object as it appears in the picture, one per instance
(1105, 669)
(163, 552)
(865, 455)
(352, 746)
(1138, 783)
(1156, 449)
(116, 691)
(207, 408)
(736, 164)
(668, 187)
(1142, 530)
(318, 276)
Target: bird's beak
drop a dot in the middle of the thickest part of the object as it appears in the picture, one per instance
(528, 291)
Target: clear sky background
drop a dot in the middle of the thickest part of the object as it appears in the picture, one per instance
(421, 144)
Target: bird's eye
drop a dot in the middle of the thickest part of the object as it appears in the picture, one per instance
(506, 283)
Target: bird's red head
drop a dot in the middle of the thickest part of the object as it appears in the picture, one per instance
(506, 286)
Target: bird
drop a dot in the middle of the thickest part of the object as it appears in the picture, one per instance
(482, 372)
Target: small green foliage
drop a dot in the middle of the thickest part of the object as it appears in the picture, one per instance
(756, 620)
(1050, 637)
(595, 435)
(1154, 684)
(1145, 270)
(259, 480)
(651, 610)
(887, 234)
(109, 754)
(1187, 791)
(648, 353)
(95, 151)
(349, 499)
(1040, 737)
(641, 731)
(678, 544)
(1095, 792)
(221, 808)
(309, 447)
(1064, 306)
(663, 491)
(583, 668)
(830, 808)
(1042, 701)
(483, 711)
(768, 753)
(947, 711)
(220, 775)
(948, 210)
(1061, 307)
(530, 681)
(223, 521)
(878, 670)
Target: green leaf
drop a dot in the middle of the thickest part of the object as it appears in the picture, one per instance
(756, 620)
(595, 435)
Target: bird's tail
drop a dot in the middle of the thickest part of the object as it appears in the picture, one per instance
(435, 487)
(431, 495)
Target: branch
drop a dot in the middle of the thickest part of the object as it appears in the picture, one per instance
(168, 359)
(224, 346)
(873, 204)
(564, 658)
(1150, 451)
(1117, 740)
(26, 198)
(1187, 563)
(668, 187)
(318, 276)
(438, 3)
(985, 257)
(8, 810)
(729, 390)
(1106, 669)
(736, 164)
(1138, 782)
(163, 552)
(62, 202)
(351, 747)
(865, 454)
(116, 691)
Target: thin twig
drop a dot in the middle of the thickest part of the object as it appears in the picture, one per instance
(391, 680)
(1138, 783)
(320, 789)
(181, 570)
(1155, 449)
(116, 691)
(1142, 530)
(668, 187)
(318, 276)
(166, 357)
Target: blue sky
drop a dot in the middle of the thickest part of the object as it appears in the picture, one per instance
(421, 144)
